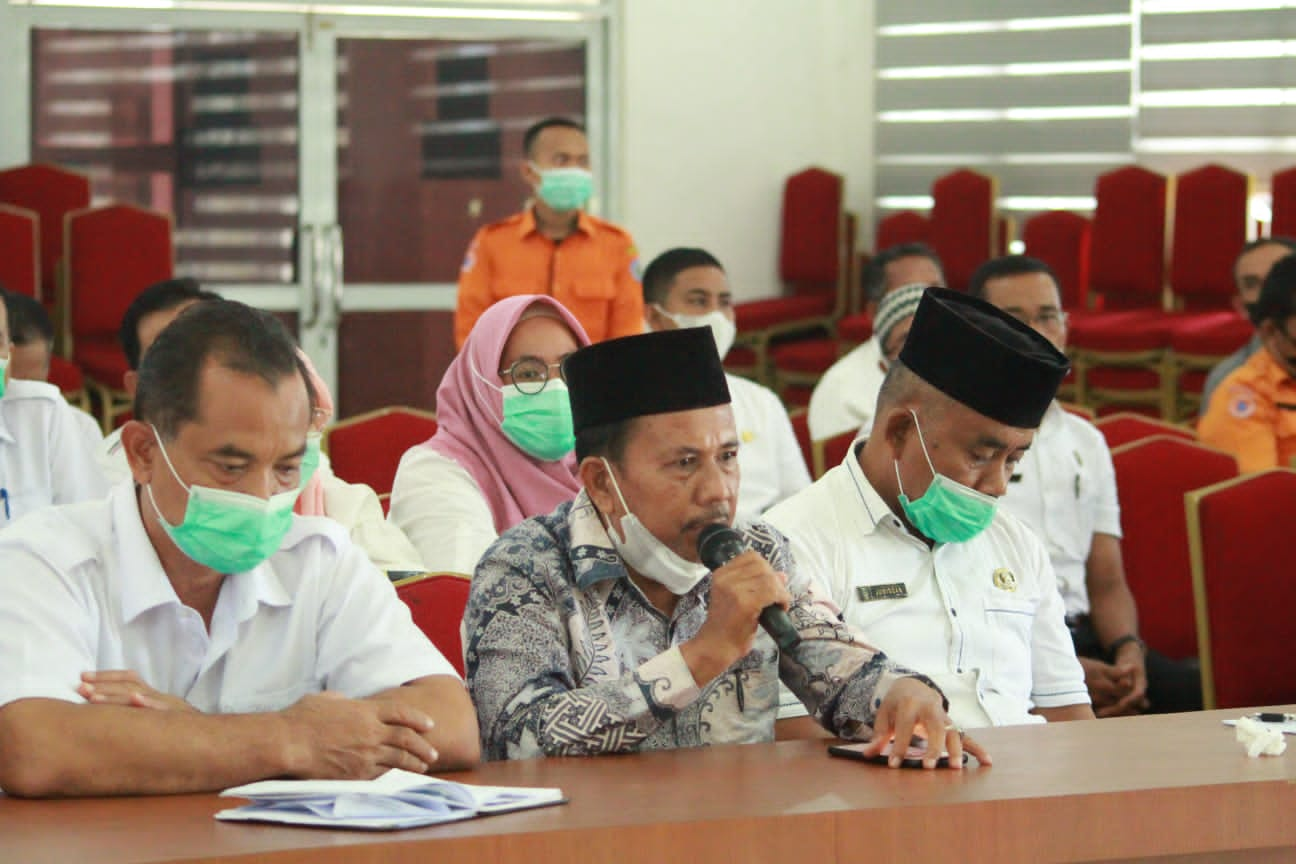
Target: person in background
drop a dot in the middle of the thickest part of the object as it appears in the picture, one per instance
(846, 396)
(189, 633)
(46, 455)
(1064, 489)
(907, 536)
(1249, 271)
(688, 288)
(147, 316)
(553, 246)
(1253, 412)
(32, 335)
(596, 628)
(502, 449)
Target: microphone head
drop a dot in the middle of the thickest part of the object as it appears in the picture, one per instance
(718, 543)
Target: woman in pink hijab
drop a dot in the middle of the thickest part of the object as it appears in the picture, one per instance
(503, 448)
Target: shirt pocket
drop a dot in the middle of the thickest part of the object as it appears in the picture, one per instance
(1010, 622)
(593, 287)
(514, 287)
(19, 501)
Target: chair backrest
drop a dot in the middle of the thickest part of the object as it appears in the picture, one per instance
(1124, 427)
(1283, 189)
(1127, 251)
(829, 452)
(1244, 586)
(1060, 239)
(111, 255)
(436, 602)
(50, 192)
(813, 222)
(801, 429)
(1210, 229)
(1152, 477)
(368, 448)
(905, 226)
(20, 250)
(963, 224)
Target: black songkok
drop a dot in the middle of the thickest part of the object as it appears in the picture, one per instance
(983, 358)
(655, 373)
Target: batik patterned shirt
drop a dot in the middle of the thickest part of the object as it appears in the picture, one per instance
(566, 656)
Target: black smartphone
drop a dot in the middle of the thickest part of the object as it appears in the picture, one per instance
(912, 759)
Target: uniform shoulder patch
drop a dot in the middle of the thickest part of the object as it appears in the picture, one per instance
(1241, 402)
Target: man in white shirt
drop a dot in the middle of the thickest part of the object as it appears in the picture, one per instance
(844, 398)
(189, 633)
(906, 535)
(688, 288)
(45, 453)
(1064, 489)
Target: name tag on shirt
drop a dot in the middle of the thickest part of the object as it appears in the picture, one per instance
(889, 591)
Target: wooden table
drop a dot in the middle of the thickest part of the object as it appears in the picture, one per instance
(1176, 788)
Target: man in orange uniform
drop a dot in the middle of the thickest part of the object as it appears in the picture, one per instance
(1253, 413)
(554, 247)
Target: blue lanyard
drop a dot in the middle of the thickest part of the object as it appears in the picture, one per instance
(4, 496)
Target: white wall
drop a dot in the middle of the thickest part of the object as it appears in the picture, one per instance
(720, 101)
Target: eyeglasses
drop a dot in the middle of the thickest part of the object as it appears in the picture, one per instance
(531, 374)
(1049, 319)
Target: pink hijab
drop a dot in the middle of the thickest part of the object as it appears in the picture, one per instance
(469, 413)
(311, 500)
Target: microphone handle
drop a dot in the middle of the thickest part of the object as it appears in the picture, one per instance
(778, 624)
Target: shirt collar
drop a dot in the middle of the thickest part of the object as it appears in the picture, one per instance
(874, 508)
(528, 223)
(1273, 371)
(593, 557)
(145, 585)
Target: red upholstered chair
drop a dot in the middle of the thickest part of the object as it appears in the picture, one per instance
(1118, 353)
(906, 226)
(801, 428)
(50, 192)
(1244, 587)
(20, 250)
(1152, 477)
(368, 448)
(1282, 187)
(436, 602)
(829, 452)
(67, 376)
(1210, 229)
(1124, 427)
(964, 226)
(1060, 239)
(1196, 346)
(814, 259)
(111, 254)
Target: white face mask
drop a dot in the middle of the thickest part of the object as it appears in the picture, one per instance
(648, 556)
(723, 330)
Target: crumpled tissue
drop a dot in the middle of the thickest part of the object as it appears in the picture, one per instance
(1259, 739)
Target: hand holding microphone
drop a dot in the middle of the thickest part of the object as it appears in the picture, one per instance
(718, 545)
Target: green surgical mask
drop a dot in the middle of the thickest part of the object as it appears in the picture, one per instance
(4, 366)
(540, 424)
(564, 189)
(310, 459)
(227, 531)
(948, 512)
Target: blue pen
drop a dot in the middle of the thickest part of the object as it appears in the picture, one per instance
(4, 496)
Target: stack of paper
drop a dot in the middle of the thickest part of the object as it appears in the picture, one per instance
(397, 799)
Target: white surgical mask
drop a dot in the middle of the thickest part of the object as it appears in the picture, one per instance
(723, 330)
(648, 556)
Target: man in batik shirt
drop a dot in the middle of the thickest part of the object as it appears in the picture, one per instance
(595, 629)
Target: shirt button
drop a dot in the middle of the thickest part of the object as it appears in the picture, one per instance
(959, 670)
(953, 611)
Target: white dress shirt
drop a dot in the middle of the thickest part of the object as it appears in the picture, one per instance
(82, 589)
(442, 510)
(112, 458)
(983, 618)
(45, 455)
(1064, 489)
(769, 458)
(845, 399)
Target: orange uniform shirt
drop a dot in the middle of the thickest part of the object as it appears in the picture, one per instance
(1253, 415)
(594, 272)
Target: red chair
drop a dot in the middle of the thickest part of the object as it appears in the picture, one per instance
(801, 428)
(51, 193)
(1196, 346)
(66, 375)
(1282, 187)
(905, 226)
(1152, 476)
(1244, 588)
(813, 264)
(436, 602)
(368, 448)
(20, 250)
(963, 224)
(1210, 229)
(111, 254)
(830, 452)
(1124, 427)
(1060, 239)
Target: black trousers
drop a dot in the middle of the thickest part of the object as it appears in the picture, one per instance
(1173, 685)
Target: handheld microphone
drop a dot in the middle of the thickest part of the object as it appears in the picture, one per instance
(718, 545)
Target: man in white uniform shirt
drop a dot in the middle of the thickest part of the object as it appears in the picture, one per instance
(45, 453)
(844, 398)
(906, 535)
(1065, 490)
(688, 288)
(189, 633)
